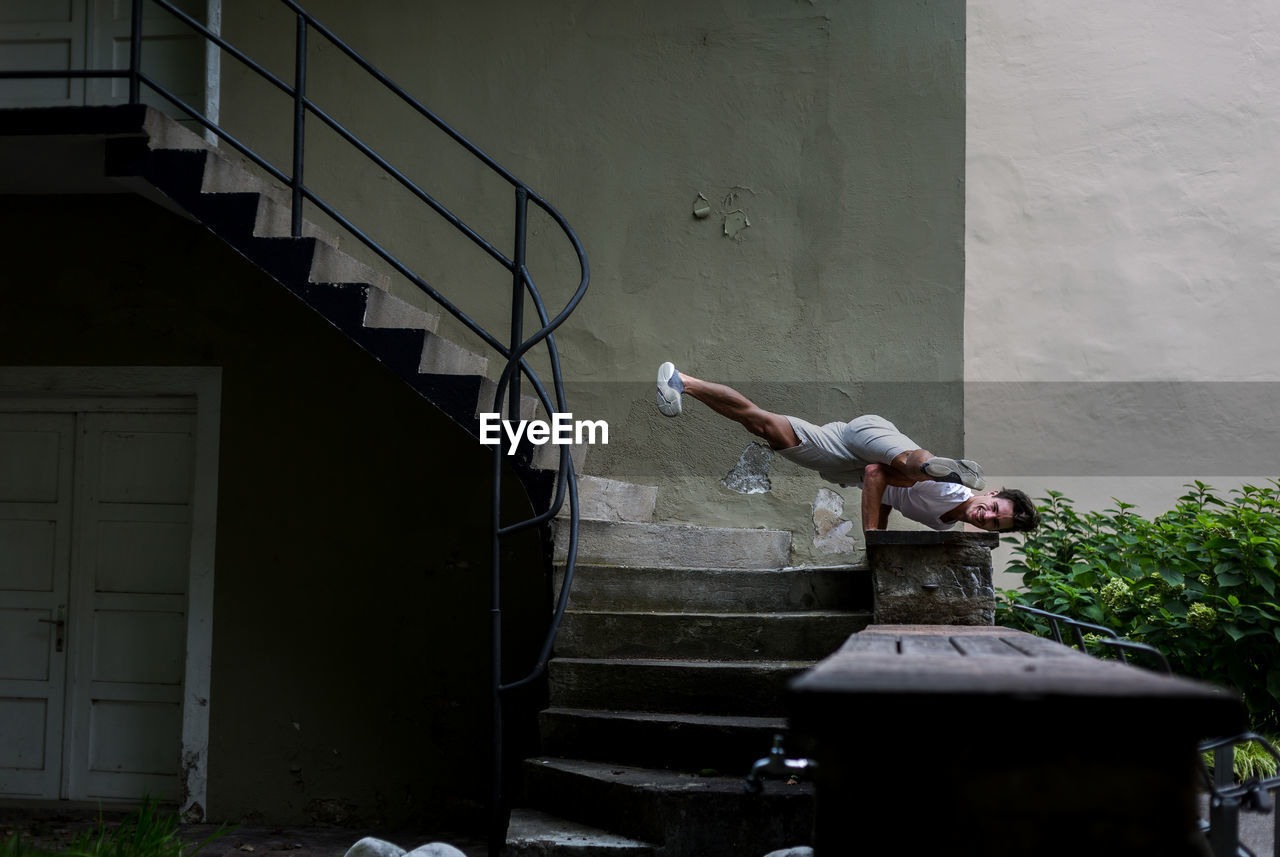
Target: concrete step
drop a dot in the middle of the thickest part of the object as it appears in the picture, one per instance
(685, 816)
(691, 743)
(384, 310)
(611, 500)
(538, 834)
(331, 265)
(530, 406)
(713, 589)
(808, 635)
(675, 545)
(754, 688)
(442, 356)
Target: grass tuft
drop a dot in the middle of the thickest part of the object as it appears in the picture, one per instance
(146, 832)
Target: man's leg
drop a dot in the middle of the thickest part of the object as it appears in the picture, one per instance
(873, 438)
(726, 401)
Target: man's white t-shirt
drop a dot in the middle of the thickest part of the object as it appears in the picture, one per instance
(927, 502)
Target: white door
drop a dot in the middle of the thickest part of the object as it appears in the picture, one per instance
(48, 35)
(112, 518)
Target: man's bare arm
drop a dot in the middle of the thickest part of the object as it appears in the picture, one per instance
(873, 482)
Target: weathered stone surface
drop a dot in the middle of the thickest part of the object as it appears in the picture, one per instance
(625, 543)
(932, 578)
(830, 529)
(751, 474)
(612, 500)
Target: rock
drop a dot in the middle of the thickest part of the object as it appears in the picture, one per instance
(800, 851)
(370, 847)
(435, 849)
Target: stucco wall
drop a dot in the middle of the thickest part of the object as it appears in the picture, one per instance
(1122, 246)
(350, 618)
(835, 129)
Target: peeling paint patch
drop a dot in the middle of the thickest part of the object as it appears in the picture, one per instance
(701, 207)
(734, 222)
(830, 529)
(751, 474)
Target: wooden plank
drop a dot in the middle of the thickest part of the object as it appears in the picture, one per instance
(930, 645)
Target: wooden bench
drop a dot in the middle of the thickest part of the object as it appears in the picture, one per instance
(971, 740)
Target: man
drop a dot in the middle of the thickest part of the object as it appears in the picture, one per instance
(869, 451)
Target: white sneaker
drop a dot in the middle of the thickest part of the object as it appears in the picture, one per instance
(669, 389)
(967, 473)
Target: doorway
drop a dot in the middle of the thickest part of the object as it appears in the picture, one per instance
(105, 597)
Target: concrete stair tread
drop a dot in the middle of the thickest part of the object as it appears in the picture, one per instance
(538, 833)
(692, 663)
(730, 720)
(651, 779)
(604, 499)
(721, 614)
(707, 568)
(636, 543)
(714, 588)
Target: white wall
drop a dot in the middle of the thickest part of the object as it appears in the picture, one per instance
(1122, 246)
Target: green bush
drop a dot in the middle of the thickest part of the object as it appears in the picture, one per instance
(1199, 583)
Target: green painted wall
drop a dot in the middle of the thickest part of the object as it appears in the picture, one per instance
(835, 128)
(351, 606)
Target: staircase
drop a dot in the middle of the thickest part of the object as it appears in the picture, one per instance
(151, 154)
(669, 682)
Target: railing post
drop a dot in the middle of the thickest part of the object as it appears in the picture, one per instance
(135, 53)
(497, 827)
(299, 122)
(1224, 816)
(517, 294)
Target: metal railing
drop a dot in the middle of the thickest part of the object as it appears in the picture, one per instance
(513, 350)
(1227, 797)
(1103, 636)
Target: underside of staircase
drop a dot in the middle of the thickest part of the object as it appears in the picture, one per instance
(669, 681)
(140, 149)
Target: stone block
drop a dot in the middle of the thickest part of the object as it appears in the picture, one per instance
(932, 578)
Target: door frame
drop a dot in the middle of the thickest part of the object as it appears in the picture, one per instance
(204, 384)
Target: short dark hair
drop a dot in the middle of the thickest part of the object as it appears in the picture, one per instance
(1026, 517)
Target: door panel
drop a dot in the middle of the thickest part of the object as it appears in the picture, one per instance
(132, 562)
(172, 53)
(42, 35)
(36, 455)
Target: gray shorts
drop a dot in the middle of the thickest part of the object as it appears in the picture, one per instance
(840, 451)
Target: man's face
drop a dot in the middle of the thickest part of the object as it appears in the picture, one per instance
(990, 513)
